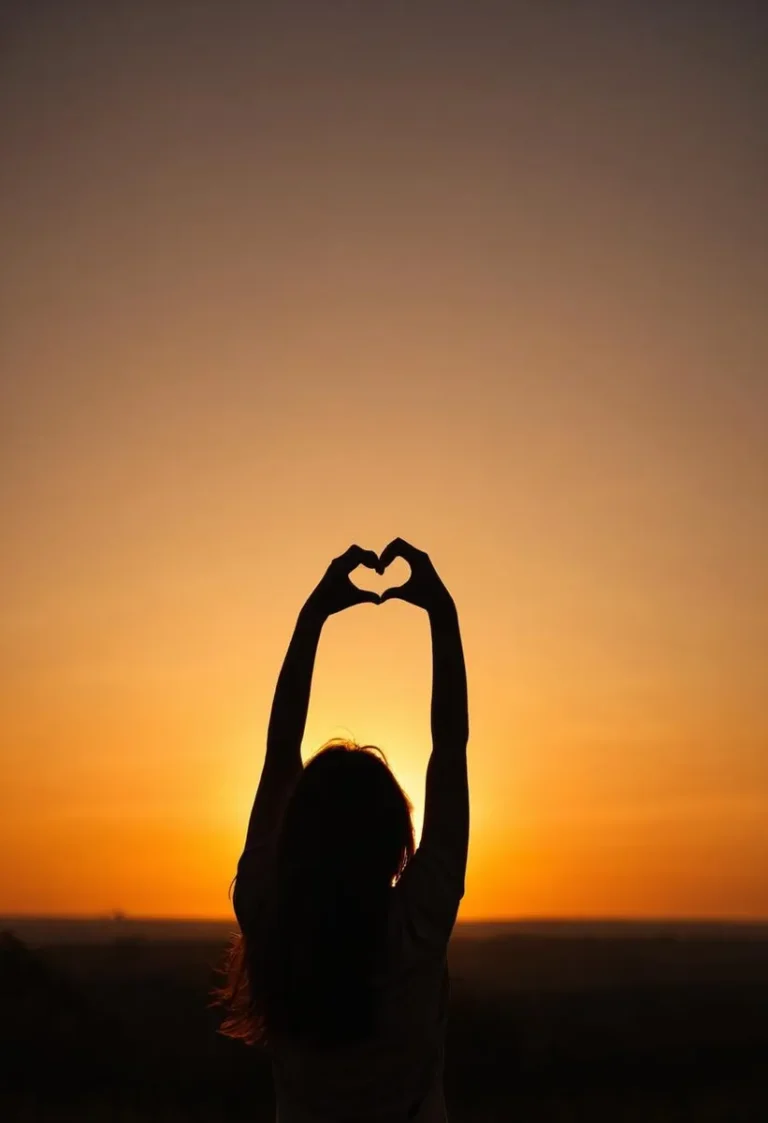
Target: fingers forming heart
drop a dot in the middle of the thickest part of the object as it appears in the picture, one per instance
(395, 574)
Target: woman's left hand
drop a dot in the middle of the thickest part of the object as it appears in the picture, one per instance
(335, 591)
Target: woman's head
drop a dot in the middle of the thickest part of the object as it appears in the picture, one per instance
(347, 816)
(306, 966)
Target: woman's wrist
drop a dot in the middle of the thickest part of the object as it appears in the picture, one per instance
(312, 612)
(442, 609)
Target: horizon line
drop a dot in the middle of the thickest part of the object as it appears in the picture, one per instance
(118, 916)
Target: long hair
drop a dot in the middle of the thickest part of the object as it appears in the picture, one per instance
(308, 963)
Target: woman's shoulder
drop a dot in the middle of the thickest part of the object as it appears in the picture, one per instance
(426, 901)
(252, 879)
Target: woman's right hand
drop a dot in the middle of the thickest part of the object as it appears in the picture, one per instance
(423, 588)
(336, 591)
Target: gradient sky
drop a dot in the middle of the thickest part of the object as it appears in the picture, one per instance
(281, 277)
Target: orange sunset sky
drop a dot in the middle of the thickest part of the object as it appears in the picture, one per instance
(281, 277)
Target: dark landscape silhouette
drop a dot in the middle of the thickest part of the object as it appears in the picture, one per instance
(549, 1022)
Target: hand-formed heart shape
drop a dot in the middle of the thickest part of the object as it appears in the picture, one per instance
(395, 574)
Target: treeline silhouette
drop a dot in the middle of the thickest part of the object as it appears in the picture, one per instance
(542, 1028)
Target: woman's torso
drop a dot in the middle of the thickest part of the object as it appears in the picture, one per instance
(397, 1075)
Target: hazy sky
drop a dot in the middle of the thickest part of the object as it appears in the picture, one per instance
(280, 277)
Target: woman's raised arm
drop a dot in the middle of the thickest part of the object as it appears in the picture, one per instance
(445, 836)
(282, 763)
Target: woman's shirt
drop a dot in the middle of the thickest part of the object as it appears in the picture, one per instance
(397, 1075)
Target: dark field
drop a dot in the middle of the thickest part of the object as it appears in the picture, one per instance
(548, 1023)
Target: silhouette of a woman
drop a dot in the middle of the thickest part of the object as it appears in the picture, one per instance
(340, 968)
